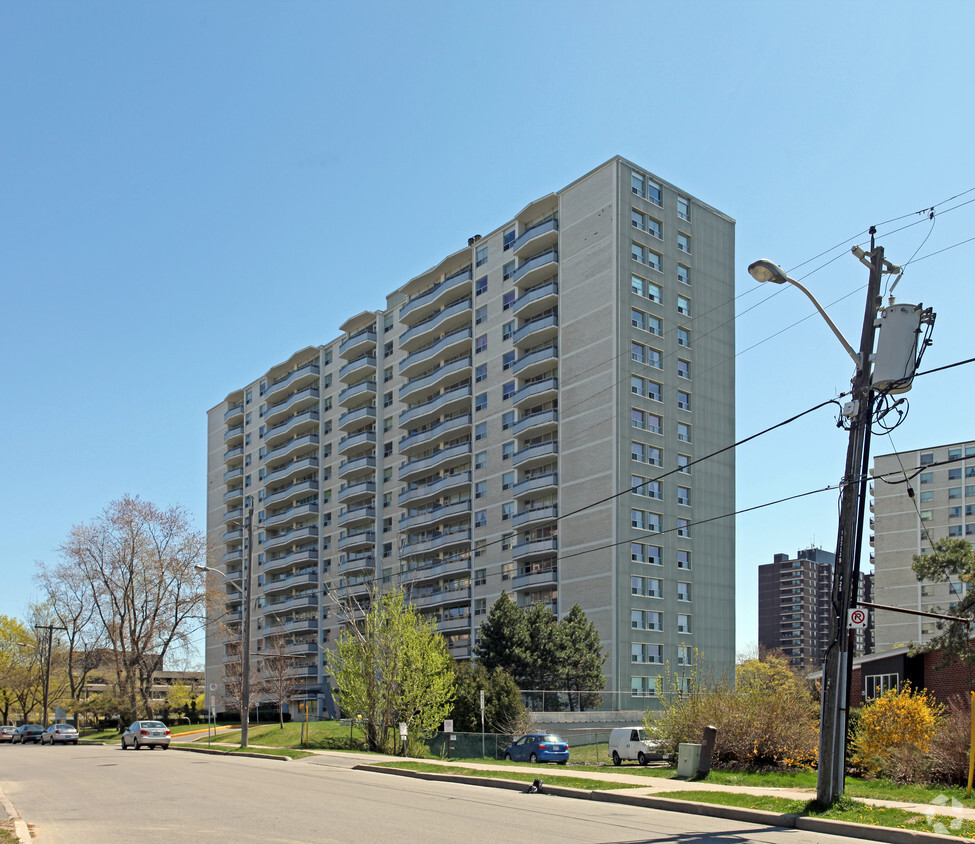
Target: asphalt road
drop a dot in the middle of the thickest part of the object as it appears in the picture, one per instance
(107, 795)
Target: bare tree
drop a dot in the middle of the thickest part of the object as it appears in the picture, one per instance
(137, 565)
(278, 682)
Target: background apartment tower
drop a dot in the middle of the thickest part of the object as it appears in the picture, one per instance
(943, 481)
(525, 417)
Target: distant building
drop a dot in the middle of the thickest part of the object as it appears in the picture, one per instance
(794, 613)
(103, 680)
(942, 480)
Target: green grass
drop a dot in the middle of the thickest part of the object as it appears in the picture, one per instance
(846, 809)
(276, 751)
(110, 736)
(500, 773)
(7, 837)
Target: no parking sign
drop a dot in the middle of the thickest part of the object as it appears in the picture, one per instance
(858, 619)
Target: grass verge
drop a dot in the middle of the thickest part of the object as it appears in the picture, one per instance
(520, 776)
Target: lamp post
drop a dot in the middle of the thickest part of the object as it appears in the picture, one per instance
(837, 668)
(245, 633)
(50, 628)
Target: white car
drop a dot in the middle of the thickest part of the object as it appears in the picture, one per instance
(631, 743)
(59, 734)
(146, 734)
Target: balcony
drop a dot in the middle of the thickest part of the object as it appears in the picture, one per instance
(293, 581)
(306, 442)
(451, 625)
(353, 492)
(298, 625)
(235, 555)
(436, 515)
(438, 570)
(357, 442)
(417, 307)
(435, 379)
(535, 268)
(302, 511)
(235, 535)
(357, 564)
(355, 418)
(233, 454)
(539, 235)
(453, 316)
(435, 489)
(232, 474)
(535, 578)
(434, 434)
(302, 375)
(233, 495)
(537, 453)
(357, 394)
(441, 459)
(436, 543)
(440, 596)
(358, 343)
(355, 369)
(303, 422)
(357, 515)
(531, 364)
(292, 558)
(291, 491)
(234, 513)
(234, 435)
(448, 346)
(301, 399)
(549, 480)
(291, 537)
(357, 466)
(357, 540)
(536, 392)
(290, 470)
(536, 423)
(232, 415)
(535, 515)
(296, 602)
(455, 399)
(539, 298)
(537, 330)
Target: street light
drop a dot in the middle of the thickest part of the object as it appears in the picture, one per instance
(245, 633)
(837, 668)
(50, 628)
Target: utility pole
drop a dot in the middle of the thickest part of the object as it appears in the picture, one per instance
(245, 645)
(838, 666)
(50, 628)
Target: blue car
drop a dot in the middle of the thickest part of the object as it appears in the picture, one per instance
(536, 747)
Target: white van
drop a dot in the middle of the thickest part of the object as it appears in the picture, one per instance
(630, 743)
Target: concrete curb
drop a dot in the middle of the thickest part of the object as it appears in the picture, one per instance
(21, 830)
(216, 752)
(824, 826)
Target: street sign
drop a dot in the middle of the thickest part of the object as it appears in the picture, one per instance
(858, 619)
(448, 725)
(213, 687)
(402, 730)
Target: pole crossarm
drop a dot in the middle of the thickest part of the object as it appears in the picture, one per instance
(958, 618)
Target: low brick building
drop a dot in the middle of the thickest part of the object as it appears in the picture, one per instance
(874, 674)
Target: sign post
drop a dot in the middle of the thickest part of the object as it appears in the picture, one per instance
(403, 730)
(482, 723)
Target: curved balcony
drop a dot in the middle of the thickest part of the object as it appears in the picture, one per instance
(301, 511)
(298, 400)
(234, 436)
(537, 330)
(290, 448)
(304, 422)
(357, 343)
(432, 490)
(354, 590)
(461, 649)
(539, 298)
(354, 370)
(436, 515)
(357, 564)
(536, 361)
(535, 549)
(276, 587)
(428, 436)
(234, 535)
(233, 474)
(292, 558)
(536, 392)
(355, 418)
(233, 455)
(539, 422)
(454, 399)
(436, 543)
(436, 570)
(535, 516)
(454, 315)
(437, 597)
(453, 624)
(309, 533)
(421, 306)
(359, 441)
(534, 454)
(302, 375)
(355, 492)
(547, 481)
(233, 495)
(235, 414)
(234, 513)
(535, 579)
(535, 268)
(436, 378)
(291, 491)
(295, 602)
(357, 540)
(357, 515)
(291, 581)
(441, 459)
(448, 346)
(539, 236)
(357, 394)
(235, 555)
(291, 469)
(297, 625)
(357, 465)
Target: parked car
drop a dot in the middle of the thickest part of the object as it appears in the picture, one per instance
(631, 743)
(60, 734)
(146, 734)
(538, 747)
(7, 733)
(28, 732)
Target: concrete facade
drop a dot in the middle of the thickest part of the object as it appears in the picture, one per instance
(481, 433)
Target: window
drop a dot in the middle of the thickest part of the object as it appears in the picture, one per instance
(507, 330)
(683, 591)
(638, 319)
(480, 460)
(683, 623)
(508, 299)
(507, 390)
(507, 360)
(645, 587)
(508, 270)
(954, 492)
(480, 315)
(683, 527)
(480, 606)
(654, 358)
(683, 305)
(645, 620)
(645, 420)
(654, 228)
(644, 288)
(639, 353)
(508, 239)
(480, 374)
(683, 432)
(683, 369)
(480, 575)
(480, 430)
(683, 400)
(388, 399)
(507, 541)
(481, 255)
(480, 402)
(507, 480)
(927, 477)
(653, 192)
(387, 374)
(683, 208)
(877, 684)
(387, 449)
(683, 337)
(645, 256)
(954, 512)
(388, 349)
(683, 242)
(684, 658)
(480, 489)
(927, 497)
(507, 420)
(507, 450)
(480, 344)
(954, 530)
(644, 653)
(645, 487)
(683, 495)
(507, 510)
(954, 454)
(636, 183)
(683, 559)
(480, 518)
(644, 453)
(480, 548)
(927, 458)
(643, 687)
(683, 274)
(650, 554)
(954, 474)
(684, 464)
(645, 520)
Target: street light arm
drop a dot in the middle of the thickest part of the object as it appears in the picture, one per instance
(224, 575)
(830, 323)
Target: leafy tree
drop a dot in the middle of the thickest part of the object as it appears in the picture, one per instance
(12, 662)
(392, 669)
(178, 697)
(503, 707)
(951, 560)
(582, 658)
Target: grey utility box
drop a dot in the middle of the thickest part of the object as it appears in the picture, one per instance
(688, 756)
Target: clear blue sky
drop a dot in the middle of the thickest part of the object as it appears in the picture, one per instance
(174, 176)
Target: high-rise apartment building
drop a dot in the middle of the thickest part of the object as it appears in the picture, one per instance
(526, 416)
(794, 607)
(942, 480)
